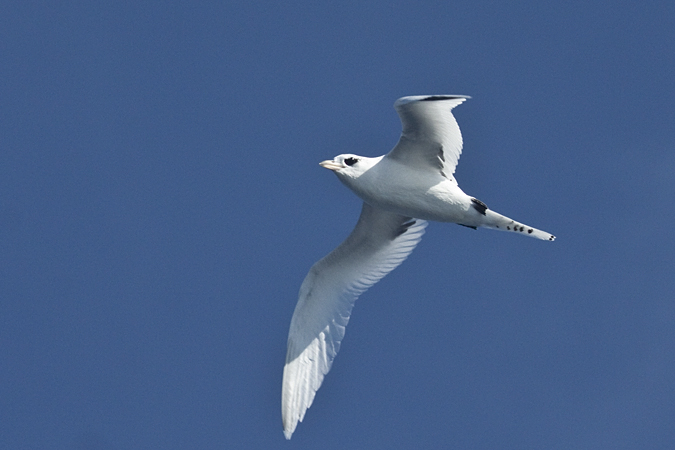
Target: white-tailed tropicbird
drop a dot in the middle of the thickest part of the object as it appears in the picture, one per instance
(413, 183)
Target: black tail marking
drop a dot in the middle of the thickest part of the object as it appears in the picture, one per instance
(479, 206)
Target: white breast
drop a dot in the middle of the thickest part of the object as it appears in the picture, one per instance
(398, 188)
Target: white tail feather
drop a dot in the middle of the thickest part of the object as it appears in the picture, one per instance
(502, 223)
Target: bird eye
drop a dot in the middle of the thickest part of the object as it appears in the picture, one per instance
(351, 161)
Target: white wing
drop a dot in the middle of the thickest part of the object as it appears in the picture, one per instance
(379, 243)
(431, 138)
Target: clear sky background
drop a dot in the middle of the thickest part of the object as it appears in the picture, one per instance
(161, 202)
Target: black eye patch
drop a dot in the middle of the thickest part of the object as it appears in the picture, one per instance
(351, 161)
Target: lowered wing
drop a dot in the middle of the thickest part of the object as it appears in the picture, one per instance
(377, 245)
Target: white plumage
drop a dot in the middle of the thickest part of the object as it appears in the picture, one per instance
(401, 191)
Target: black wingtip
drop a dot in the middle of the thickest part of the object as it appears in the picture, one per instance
(434, 98)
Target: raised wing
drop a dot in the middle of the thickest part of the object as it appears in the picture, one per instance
(430, 138)
(379, 243)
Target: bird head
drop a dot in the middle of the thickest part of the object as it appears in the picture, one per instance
(350, 166)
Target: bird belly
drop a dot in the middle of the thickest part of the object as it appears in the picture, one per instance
(442, 201)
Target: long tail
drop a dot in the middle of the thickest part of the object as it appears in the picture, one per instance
(498, 222)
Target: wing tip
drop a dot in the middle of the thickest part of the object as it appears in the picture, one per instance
(290, 420)
(429, 98)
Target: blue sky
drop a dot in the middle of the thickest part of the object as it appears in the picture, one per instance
(161, 202)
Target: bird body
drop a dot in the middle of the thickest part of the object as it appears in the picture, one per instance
(401, 191)
(392, 186)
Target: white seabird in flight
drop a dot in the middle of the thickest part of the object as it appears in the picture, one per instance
(413, 183)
